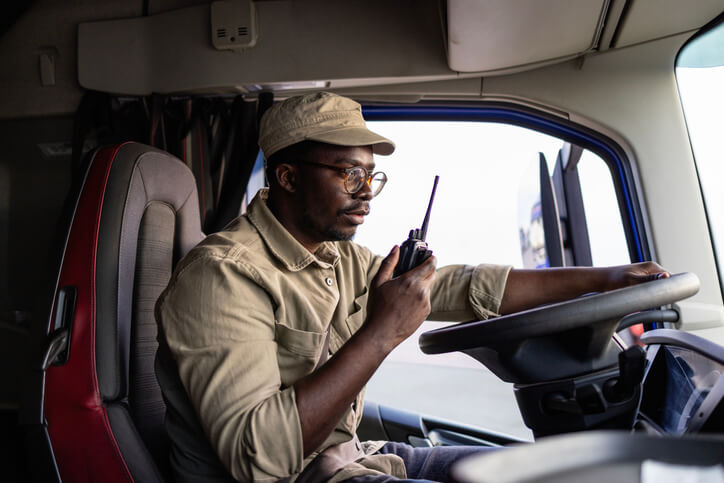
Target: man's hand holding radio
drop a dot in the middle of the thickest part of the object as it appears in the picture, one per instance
(399, 305)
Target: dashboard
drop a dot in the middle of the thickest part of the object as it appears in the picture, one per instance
(681, 402)
(683, 390)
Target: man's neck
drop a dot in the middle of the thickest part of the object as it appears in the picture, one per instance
(283, 214)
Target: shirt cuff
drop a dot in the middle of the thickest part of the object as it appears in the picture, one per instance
(272, 445)
(486, 289)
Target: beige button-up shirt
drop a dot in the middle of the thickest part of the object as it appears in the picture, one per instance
(246, 315)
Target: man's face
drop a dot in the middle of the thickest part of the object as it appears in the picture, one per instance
(329, 212)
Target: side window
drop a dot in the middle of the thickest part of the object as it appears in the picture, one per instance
(489, 208)
(603, 218)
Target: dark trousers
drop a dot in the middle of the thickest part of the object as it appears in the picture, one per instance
(423, 464)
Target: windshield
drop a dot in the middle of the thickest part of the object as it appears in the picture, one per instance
(700, 76)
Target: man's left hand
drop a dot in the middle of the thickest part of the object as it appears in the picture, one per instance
(626, 275)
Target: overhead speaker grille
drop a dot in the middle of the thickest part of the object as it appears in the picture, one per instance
(233, 24)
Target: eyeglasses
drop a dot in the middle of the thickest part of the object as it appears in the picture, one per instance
(356, 177)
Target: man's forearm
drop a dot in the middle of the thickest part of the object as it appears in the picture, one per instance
(526, 289)
(324, 396)
(397, 307)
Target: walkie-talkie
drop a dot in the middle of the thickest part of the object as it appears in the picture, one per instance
(414, 250)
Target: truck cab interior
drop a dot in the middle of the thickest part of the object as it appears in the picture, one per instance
(565, 134)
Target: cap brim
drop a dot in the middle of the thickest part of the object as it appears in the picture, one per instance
(355, 136)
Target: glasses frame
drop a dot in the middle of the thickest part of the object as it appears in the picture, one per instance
(347, 171)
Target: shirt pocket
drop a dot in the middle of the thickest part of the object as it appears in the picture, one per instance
(357, 316)
(297, 352)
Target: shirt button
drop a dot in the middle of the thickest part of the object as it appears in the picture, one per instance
(329, 281)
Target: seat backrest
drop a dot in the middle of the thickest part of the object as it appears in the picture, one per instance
(137, 215)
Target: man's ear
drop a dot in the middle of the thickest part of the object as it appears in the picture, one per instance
(286, 177)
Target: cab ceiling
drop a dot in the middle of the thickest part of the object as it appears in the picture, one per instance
(370, 42)
(398, 48)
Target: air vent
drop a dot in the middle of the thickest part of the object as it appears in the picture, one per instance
(233, 24)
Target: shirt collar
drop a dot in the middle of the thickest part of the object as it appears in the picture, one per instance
(282, 244)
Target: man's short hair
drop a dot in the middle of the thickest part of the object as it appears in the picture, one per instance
(299, 151)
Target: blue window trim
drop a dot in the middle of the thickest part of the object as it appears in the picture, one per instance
(540, 122)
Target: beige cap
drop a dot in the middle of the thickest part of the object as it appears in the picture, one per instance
(322, 117)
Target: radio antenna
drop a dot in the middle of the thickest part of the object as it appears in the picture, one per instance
(423, 230)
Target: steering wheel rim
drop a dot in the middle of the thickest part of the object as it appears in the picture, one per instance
(603, 308)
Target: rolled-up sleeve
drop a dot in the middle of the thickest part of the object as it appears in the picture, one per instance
(219, 326)
(466, 292)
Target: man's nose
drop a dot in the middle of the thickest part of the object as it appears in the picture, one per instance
(365, 193)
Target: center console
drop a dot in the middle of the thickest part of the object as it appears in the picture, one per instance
(679, 420)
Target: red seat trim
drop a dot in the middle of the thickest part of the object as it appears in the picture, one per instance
(83, 443)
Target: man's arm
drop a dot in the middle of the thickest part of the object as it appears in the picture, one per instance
(526, 289)
(397, 309)
(219, 326)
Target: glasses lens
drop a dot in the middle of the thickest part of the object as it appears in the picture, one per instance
(377, 182)
(356, 178)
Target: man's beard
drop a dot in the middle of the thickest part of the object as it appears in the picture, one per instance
(336, 235)
(330, 233)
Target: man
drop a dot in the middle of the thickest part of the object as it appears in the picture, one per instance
(271, 329)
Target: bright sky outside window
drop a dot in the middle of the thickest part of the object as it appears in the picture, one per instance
(487, 172)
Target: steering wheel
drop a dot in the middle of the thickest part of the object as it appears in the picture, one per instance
(557, 340)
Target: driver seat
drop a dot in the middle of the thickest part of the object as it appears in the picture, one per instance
(137, 215)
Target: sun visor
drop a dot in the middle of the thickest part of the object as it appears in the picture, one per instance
(492, 35)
